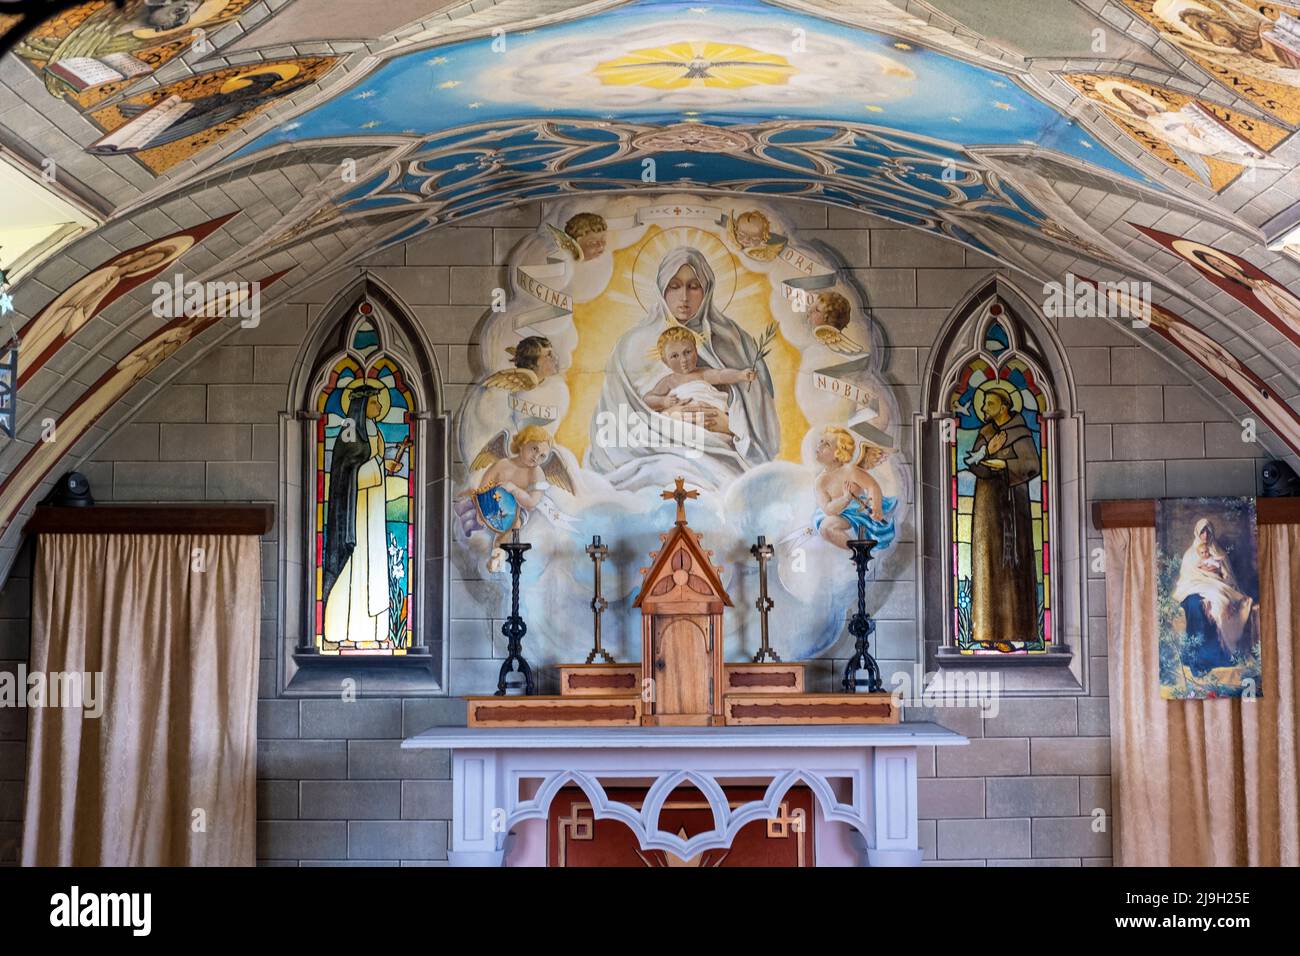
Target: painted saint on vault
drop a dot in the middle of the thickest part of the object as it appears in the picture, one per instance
(733, 420)
(175, 117)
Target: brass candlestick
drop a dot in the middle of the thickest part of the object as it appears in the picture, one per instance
(762, 552)
(597, 552)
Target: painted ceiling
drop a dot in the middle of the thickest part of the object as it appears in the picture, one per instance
(1113, 140)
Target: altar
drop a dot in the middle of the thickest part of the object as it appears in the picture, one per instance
(862, 778)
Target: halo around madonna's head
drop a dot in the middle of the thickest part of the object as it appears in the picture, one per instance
(645, 268)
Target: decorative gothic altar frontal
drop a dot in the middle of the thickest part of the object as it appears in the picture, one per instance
(862, 780)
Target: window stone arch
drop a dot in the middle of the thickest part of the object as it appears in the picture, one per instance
(364, 565)
(998, 335)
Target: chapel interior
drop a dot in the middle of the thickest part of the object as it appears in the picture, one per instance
(650, 433)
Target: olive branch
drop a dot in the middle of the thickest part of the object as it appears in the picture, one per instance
(764, 345)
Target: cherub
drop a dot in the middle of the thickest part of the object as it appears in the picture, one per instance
(534, 362)
(687, 386)
(829, 314)
(583, 237)
(849, 501)
(752, 233)
(514, 484)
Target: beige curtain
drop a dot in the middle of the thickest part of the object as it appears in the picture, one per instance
(167, 775)
(1203, 782)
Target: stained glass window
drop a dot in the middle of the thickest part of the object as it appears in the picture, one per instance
(1000, 470)
(364, 493)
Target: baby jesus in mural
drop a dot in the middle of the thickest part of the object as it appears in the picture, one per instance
(688, 392)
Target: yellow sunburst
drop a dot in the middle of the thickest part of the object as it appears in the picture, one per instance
(696, 63)
(601, 321)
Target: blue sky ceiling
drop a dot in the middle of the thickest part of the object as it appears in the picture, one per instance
(852, 117)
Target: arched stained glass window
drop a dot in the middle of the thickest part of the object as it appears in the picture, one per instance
(1000, 469)
(365, 489)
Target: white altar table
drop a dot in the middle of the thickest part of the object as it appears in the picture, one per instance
(862, 776)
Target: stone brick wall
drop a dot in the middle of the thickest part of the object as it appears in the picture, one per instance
(333, 786)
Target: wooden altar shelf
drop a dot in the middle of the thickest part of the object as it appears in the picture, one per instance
(1141, 512)
(809, 709)
(584, 708)
(550, 711)
(597, 680)
(765, 678)
(152, 519)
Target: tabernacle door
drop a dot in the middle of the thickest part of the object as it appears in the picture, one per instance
(683, 669)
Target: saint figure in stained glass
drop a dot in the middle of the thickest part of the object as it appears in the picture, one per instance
(1004, 460)
(365, 489)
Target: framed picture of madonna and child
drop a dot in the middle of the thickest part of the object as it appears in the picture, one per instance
(1207, 598)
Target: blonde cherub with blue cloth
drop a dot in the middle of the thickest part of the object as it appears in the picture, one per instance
(850, 503)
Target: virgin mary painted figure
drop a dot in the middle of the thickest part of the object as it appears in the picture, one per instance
(355, 563)
(1217, 612)
(1004, 460)
(730, 437)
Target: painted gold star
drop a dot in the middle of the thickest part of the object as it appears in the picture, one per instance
(999, 105)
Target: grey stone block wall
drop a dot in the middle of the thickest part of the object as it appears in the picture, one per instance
(333, 786)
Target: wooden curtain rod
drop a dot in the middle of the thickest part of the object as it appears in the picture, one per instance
(1141, 512)
(153, 519)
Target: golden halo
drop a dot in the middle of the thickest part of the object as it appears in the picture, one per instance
(385, 400)
(286, 71)
(653, 250)
(1185, 248)
(172, 248)
(997, 385)
(1170, 13)
(1106, 90)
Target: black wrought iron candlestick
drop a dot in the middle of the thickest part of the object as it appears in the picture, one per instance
(597, 552)
(514, 628)
(762, 552)
(861, 626)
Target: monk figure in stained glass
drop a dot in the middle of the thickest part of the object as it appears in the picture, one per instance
(1004, 460)
(355, 567)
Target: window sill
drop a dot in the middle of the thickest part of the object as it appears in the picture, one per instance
(411, 675)
(1018, 674)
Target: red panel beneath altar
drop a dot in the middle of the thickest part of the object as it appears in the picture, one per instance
(576, 838)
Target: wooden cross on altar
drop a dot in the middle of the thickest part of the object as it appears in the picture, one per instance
(679, 495)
